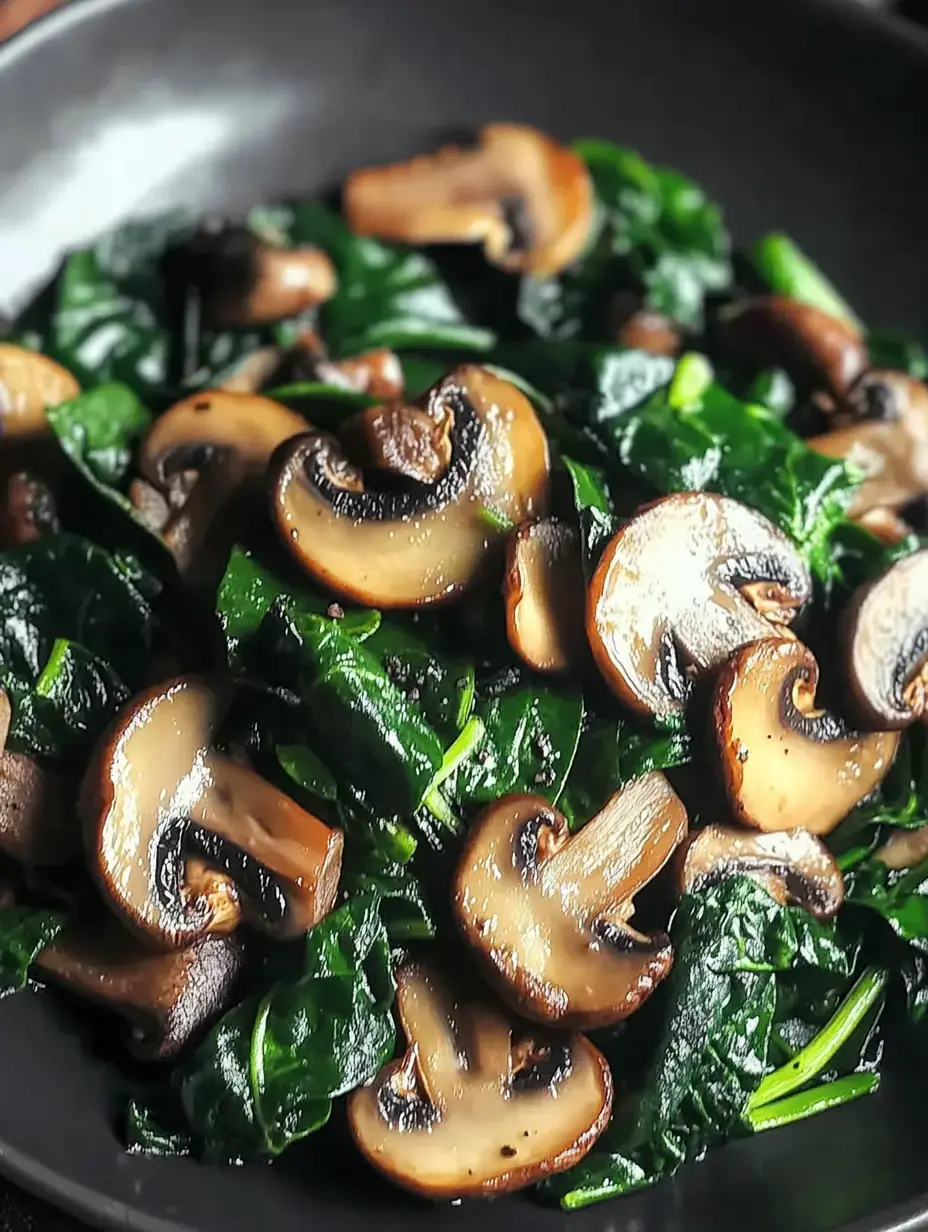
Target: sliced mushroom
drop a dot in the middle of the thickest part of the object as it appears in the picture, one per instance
(168, 998)
(240, 279)
(885, 525)
(817, 350)
(255, 371)
(889, 443)
(30, 383)
(683, 584)
(225, 439)
(185, 842)
(29, 512)
(886, 641)
(544, 593)
(526, 198)
(377, 373)
(650, 331)
(794, 865)
(391, 546)
(785, 763)
(547, 913)
(477, 1105)
(904, 848)
(38, 817)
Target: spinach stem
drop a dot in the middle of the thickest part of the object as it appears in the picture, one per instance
(496, 519)
(788, 271)
(691, 379)
(46, 680)
(809, 1062)
(807, 1103)
(457, 752)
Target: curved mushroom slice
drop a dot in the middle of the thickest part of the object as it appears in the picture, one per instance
(242, 280)
(904, 848)
(377, 373)
(224, 440)
(526, 198)
(544, 592)
(547, 913)
(646, 330)
(885, 525)
(30, 383)
(38, 818)
(393, 547)
(683, 584)
(167, 997)
(186, 842)
(886, 641)
(29, 511)
(817, 350)
(785, 763)
(889, 443)
(794, 865)
(477, 1106)
(403, 441)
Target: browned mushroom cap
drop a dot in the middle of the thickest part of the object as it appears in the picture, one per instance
(477, 1105)
(168, 997)
(649, 331)
(243, 280)
(403, 546)
(38, 817)
(904, 848)
(819, 351)
(526, 198)
(547, 913)
(186, 842)
(225, 439)
(794, 865)
(29, 384)
(682, 585)
(886, 642)
(378, 373)
(29, 511)
(544, 593)
(785, 763)
(889, 443)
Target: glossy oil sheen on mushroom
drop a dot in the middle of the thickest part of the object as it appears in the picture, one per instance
(477, 1105)
(185, 841)
(407, 544)
(546, 913)
(785, 763)
(683, 584)
(29, 384)
(543, 590)
(886, 640)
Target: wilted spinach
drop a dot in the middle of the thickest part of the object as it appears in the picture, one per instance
(24, 932)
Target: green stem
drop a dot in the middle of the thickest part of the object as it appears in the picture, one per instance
(787, 270)
(46, 680)
(691, 379)
(809, 1062)
(462, 748)
(496, 519)
(808, 1103)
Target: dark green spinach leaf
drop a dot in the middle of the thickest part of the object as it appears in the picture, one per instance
(24, 933)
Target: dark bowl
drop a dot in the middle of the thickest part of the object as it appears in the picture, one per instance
(794, 115)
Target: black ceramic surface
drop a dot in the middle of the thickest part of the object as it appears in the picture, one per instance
(791, 114)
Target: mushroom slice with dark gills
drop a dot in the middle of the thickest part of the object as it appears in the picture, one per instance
(204, 456)
(544, 593)
(888, 441)
(389, 541)
(546, 912)
(688, 580)
(478, 1105)
(167, 997)
(886, 643)
(793, 865)
(526, 198)
(185, 842)
(239, 279)
(30, 383)
(786, 763)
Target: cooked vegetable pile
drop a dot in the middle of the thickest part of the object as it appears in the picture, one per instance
(467, 653)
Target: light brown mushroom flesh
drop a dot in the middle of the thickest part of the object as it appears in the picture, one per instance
(30, 384)
(185, 841)
(478, 1105)
(29, 511)
(886, 644)
(543, 590)
(526, 198)
(546, 912)
(391, 545)
(793, 865)
(167, 997)
(786, 763)
(688, 580)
